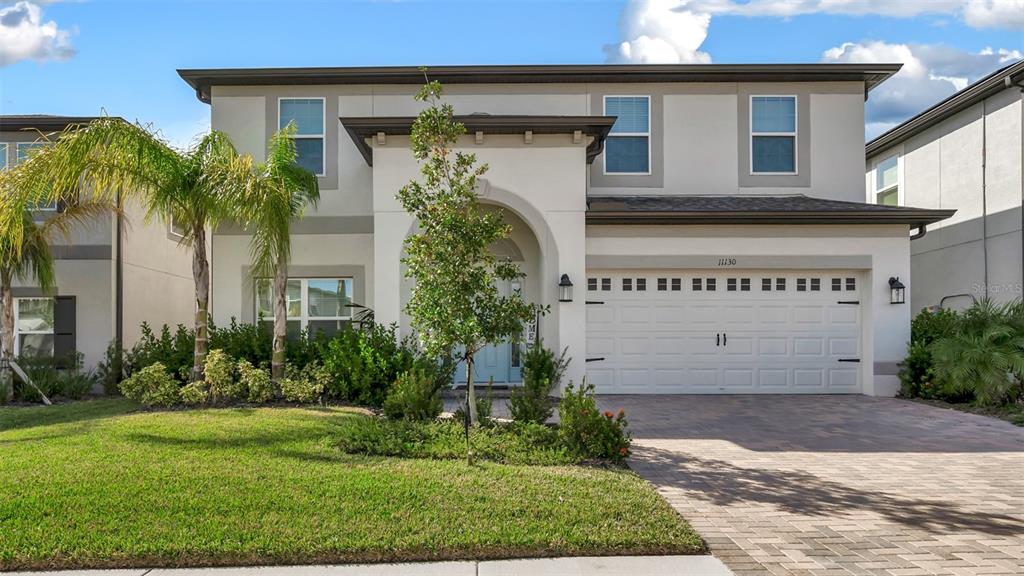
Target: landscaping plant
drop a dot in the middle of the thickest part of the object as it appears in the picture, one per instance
(455, 305)
(256, 381)
(279, 194)
(415, 396)
(542, 373)
(364, 363)
(220, 378)
(587, 431)
(305, 385)
(152, 386)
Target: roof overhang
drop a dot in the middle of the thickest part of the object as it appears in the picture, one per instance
(202, 80)
(361, 129)
(43, 123)
(646, 210)
(1006, 77)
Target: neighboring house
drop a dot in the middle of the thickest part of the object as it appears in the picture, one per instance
(963, 153)
(111, 277)
(710, 217)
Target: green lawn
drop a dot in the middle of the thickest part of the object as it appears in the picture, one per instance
(101, 484)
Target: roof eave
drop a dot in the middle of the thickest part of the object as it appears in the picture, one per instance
(915, 218)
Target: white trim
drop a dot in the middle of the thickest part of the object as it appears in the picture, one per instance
(17, 331)
(604, 157)
(323, 126)
(795, 134)
(304, 318)
(875, 191)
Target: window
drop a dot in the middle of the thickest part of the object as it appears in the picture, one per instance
(627, 150)
(851, 283)
(773, 134)
(730, 284)
(815, 284)
(641, 284)
(710, 283)
(677, 284)
(698, 284)
(592, 284)
(780, 283)
(25, 151)
(606, 284)
(744, 284)
(627, 284)
(662, 284)
(317, 304)
(801, 284)
(837, 284)
(3, 155)
(887, 188)
(308, 115)
(33, 335)
(766, 284)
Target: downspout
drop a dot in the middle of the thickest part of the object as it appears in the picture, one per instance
(119, 278)
(984, 191)
(921, 231)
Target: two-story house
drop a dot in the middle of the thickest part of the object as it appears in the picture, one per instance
(710, 218)
(963, 153)
(111, 276)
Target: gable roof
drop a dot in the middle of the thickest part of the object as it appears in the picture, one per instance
(788, 209)
(997, 81)
(201, 80)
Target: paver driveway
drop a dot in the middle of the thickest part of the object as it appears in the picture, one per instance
(836, 484)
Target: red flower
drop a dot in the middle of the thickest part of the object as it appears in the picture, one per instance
(622, 413)
(608, 414)
(623, 450)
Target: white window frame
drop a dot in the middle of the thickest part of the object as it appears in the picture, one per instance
(795, 134)
(17, 315)
(52, 207)
(323, 126)
(875, 190)
(304, 318)
(604, 160)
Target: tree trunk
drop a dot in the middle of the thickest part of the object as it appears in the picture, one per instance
(6, 340)
(201, 275)
(280, 289)
(471, 391)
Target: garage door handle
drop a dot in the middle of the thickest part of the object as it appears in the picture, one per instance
(848, 302)
(718, 339)
(849, 359)
(725, 339)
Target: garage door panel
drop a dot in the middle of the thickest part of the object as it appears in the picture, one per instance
(782, 336)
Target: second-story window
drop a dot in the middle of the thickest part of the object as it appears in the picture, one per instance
(25, 150)
(887, 188)
(308, 115)
(3, 155)
(773, 135)
(627, 150)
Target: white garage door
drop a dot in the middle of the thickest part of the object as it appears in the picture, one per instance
(708, 332)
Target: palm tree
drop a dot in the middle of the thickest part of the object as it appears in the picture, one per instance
(25, 255)
(279, 194)
(195, 189)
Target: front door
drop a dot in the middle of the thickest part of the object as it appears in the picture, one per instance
(498, 363)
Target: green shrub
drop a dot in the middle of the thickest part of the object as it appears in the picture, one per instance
(364, 363)
(542, 372)
(256, 381)
(586, 431)
(152, 386)
(415, 395)
(195, 393)
(305, 385)
(110, 370)
(513, 443)
(43, 373)
(219, 372)
(173, 350)
(74, 382)
(984, 356)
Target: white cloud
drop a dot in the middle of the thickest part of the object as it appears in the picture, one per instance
(995, 14)
(24, 36)
(930, 73)
(976, 13)
(658, 32)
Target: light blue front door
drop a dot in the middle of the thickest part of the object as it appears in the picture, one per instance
(500, 363)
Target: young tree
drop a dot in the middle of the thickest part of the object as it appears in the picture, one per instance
(25, 253)
(279, 194)
(456, 306)
(194, 189)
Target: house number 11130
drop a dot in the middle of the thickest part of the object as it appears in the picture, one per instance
(726, 261)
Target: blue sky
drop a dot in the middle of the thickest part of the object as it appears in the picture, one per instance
(81, 58)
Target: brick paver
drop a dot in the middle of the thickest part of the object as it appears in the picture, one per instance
(836, 485)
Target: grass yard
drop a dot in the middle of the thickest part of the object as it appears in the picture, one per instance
(101, 484)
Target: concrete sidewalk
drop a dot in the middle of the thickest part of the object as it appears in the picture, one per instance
(580, 566)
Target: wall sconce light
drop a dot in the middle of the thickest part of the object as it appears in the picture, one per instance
(897, 291)
(565, 289)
